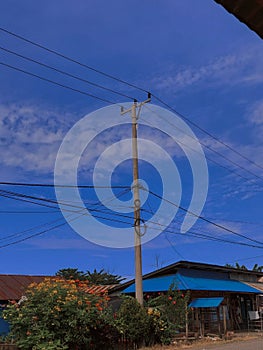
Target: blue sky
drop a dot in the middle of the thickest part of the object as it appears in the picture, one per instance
(195, 56)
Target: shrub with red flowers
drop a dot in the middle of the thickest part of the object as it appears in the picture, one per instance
(58, 315)
(169, 313)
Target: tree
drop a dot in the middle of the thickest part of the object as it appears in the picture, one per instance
(132, 321)
(240, 267)
(96, 277)
(236, 266)
(103, 277)
(59, 314)
(72, 274)
(173, 306)
(257, 268)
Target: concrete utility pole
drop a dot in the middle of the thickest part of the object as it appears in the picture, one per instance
(136, 197)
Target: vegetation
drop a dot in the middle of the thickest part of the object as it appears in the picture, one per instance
(96, 277)
(59, 314)
(173, 310)
(71, 274)
(256, 267)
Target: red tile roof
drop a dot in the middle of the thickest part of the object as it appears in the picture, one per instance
(99, 289)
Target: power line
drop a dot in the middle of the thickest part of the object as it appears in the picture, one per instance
(113, 219)
(27, 184)
(209, 148)
(128, 84)
(204, 219)
(56, 83)
(77, 209)
(66, 73)
(62, 224)
(206, 132)
(29, 212)
(72, 60)
(207, 237)
(43, 201)
(173, 248)
(31, 199)
(21, 233)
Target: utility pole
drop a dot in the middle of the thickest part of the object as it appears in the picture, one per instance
(136, 198)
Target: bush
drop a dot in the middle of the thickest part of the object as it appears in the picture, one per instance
(132, 321)
(168, 312)
(59, 314)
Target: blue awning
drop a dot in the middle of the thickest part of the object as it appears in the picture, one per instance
(206, 302)
(186, 280)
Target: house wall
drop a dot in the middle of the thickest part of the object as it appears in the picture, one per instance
(236, 307)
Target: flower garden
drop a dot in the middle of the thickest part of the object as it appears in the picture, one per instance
(59, 314)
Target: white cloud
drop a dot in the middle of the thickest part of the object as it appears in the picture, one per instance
(30, 137)
(255, 114)
(233, 68)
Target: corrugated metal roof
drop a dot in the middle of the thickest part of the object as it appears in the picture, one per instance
(12, 287)
(249, 12)
(206, 302)
(192, 266)
(256, 285)
(184, 282)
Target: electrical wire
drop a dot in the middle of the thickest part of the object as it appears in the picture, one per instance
(20, 37)
(72, 60)
(66, 73)
(29, 212)
(157, 98)
(206, 237)
(204, 219)
(206, 132)
(13, 195)
(56, 83)
(209, 148)
(173, 248)
(167, 230)
(77, 208)
(27, 184)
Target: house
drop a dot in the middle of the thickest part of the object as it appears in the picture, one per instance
(220, 297)
(12, 287)
(249, 12)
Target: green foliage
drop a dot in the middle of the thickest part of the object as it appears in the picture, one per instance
(71, 274)
(256, 267)
(157, 322)
(103, 277)
(59, 315)
(132, 320)
(172, 310)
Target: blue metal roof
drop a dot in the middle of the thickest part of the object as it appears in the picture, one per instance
(206, 302)
(183, 281)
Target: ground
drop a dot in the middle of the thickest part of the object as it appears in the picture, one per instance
(241, 341)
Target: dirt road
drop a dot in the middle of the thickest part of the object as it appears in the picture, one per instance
(253, 344)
